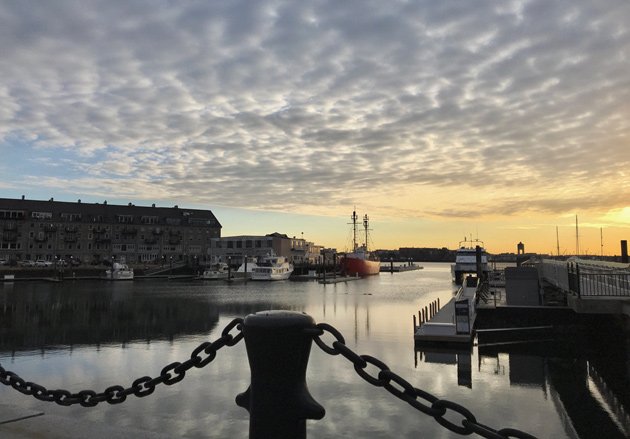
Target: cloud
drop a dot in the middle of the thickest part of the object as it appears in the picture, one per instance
(312, 104)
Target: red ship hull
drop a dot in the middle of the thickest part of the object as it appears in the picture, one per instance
(352, 266)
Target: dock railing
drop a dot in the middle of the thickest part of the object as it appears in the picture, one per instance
(604, 284)
(586, 279)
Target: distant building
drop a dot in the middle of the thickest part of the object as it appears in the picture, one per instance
(426, 254)
(236, 248)
(94, 232)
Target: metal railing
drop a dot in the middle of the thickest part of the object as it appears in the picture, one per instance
(586, 280)
(604, 284)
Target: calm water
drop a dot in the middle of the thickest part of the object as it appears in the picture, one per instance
(91, 335)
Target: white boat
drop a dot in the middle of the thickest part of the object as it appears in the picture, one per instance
(220, 270)
(247, 267)
(119, 271)
(272, 268)
(466, 260)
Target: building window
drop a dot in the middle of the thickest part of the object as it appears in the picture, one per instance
(41, 215)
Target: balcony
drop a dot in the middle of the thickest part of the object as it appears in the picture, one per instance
(129, 231)
(10, 226)
(9, 236)
(70, 238)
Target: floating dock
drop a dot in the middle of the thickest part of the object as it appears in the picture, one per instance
(454, 322)
(400, 268)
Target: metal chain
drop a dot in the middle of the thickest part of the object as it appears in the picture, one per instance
(141, 387)
(403, 390)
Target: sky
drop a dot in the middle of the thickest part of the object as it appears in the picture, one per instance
(498, 120)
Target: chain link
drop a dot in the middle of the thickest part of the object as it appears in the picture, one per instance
(403, 390)
(141, 387)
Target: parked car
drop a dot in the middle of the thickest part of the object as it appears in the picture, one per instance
(26, 263)
(4, 262)
(42, 263)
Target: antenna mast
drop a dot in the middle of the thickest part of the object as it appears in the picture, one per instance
(601, 240)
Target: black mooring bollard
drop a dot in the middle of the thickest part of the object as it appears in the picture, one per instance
(278, 401)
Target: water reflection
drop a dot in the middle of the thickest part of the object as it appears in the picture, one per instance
(589, 393)
(94, 335)
(55, 317)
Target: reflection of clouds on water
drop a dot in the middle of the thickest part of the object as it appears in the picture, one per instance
(374, 315)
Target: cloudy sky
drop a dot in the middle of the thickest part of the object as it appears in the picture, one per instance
(497, 119)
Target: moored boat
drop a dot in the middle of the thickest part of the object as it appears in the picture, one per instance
(466, 260)
(220, 270)
(246, 269)
(272, 268)
(119, 271)
(359, 262)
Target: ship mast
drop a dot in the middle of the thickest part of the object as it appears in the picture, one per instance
(365, 226)
(354, 230)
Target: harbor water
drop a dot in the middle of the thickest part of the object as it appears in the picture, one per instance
(78, 335)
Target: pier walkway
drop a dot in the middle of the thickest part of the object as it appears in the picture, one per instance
(592, 287)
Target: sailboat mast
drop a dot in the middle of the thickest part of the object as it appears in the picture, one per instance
(577, 238)
(557, 242)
